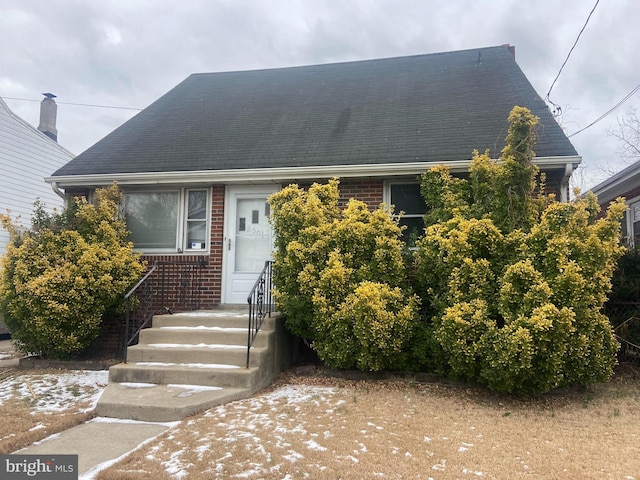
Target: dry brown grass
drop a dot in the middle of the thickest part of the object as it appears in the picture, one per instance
(20, 425)
(398, 429)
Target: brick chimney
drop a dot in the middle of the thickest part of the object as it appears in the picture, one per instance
(48, 113)
(511, 48)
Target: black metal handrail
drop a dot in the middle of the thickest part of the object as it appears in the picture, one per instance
(260, 304)
(146, 318)
(166, 286)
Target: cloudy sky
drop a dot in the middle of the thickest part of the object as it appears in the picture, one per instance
(127, 53)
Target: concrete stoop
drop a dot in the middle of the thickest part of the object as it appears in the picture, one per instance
(189, 362)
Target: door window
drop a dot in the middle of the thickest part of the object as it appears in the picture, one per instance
(253, 235)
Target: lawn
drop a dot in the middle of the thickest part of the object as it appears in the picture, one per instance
(327, 428)
(308, 425)
(37, 403)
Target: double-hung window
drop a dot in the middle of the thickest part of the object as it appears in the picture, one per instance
(406, 198)
(168, 221)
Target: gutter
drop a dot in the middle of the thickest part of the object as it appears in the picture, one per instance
(278, 175)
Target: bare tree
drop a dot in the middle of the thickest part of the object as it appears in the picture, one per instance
(628, 132)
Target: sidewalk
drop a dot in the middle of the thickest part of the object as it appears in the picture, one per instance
(98, 443)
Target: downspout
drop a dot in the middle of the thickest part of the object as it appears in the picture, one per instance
(564, 184)
(57, 191)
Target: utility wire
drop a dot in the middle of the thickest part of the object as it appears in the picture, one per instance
(608, 112)
(76, 104)
(556, 110)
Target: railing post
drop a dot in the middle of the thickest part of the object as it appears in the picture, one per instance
(249, 331)
(127, 328)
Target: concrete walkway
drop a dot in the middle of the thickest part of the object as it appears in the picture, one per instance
(98, 443)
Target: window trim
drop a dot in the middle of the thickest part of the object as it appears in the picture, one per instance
(386, 197)
(181, 246)
(629, 219)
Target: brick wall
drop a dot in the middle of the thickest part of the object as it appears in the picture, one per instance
(367, 191)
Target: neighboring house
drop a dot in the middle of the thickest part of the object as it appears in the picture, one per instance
(197, 165)
(27, 156)
(625, 183)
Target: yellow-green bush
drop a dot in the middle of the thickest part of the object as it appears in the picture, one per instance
(59, 278)
(513, 281)
(510, 282)
(337, 275)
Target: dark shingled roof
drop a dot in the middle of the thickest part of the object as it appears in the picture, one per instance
(431, 108)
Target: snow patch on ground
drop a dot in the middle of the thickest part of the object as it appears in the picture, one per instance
(50, 393)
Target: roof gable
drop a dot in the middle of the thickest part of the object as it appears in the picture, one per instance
(426, 108)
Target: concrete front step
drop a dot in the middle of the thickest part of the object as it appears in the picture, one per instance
(201, 334)
(189, 362)
(162, 403)
(196, 353)
(164, 373)
(210, 319)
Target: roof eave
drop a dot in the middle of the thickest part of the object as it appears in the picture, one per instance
(618, 185)
(277, 175)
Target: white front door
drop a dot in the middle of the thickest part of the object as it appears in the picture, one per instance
(248, 239)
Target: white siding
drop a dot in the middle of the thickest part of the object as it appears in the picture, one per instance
(27, 156)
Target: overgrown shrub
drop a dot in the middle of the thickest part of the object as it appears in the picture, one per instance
(514, 282)
(60, 277)
(623, 306)
(338, 275)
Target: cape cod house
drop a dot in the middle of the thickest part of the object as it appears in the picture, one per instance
(197, 165)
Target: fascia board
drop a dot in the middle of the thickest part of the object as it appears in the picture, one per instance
(277, 175)
(617, 185)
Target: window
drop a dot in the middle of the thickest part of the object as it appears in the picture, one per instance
(631, 223)
(406, 197)
(168, 221)
(196, 220)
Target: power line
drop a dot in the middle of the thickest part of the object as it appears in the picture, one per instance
(608, 112)
(557, 110)
(76, 104)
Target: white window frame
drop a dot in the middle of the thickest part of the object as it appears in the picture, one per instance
(633, 212)
(386, 197)
(181, 246)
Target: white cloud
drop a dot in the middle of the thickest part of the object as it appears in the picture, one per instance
(130, 53)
